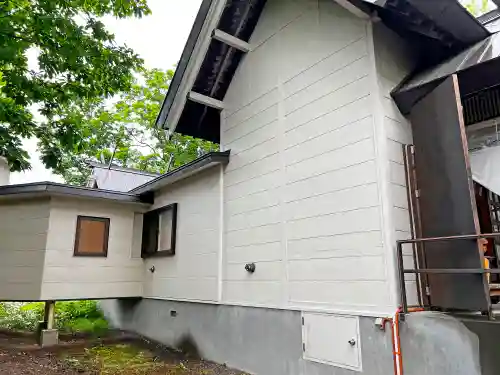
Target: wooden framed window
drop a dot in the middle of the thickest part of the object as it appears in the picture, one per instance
(92, 236)
(159, 231)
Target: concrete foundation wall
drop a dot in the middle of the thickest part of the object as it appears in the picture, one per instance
(257, 340)
(438, 344)
(269, 342)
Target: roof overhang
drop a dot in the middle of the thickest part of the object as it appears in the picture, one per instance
(48, 189)
(221, 33)
(477, 68)
(205, 162)
(437, 28)
(217, 42)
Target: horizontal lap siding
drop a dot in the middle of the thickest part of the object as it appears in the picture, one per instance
(301, 197)
(394, 61)
(23, 236)
(192, 273)
(120, 274)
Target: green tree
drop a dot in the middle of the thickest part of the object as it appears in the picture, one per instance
(78, 59)
(123, 130)
(477, 7)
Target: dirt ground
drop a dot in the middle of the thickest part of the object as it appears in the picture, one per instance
(133, 357)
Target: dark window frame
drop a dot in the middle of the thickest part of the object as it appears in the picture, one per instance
(151, 233)
(104, 253)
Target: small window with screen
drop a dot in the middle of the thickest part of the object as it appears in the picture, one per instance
(92, 234)
(159, 232)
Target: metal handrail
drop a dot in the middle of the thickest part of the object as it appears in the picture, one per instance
(426, 271)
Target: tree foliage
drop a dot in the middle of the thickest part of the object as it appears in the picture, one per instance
(477, 7)
(123, 131)
(78, 60)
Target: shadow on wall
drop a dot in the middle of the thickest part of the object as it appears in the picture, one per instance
(119, 312)
(188, 346)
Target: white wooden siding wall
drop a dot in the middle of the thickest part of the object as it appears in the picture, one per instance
(23, 236)
(394, 61)
(192, 274)
(301, 198)
(68, 277)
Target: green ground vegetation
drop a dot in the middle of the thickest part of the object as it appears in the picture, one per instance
(126, 359)
(113, 359)
(71, 316)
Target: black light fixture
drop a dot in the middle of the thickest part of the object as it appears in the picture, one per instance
(250, 267)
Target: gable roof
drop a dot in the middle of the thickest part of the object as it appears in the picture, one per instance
(139, 195)
(207, 65)
(208, 160)
(119, 178)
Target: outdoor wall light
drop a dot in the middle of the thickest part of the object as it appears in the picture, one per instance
(250, 267)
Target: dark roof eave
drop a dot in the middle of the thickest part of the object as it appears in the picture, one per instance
(183, 62)
(53, 188)
(187, 170)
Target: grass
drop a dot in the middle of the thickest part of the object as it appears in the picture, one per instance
(127, 360)
(113, 360)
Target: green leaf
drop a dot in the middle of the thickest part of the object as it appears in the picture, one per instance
(125, 126)
(77, 62)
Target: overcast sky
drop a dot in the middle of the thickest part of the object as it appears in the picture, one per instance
(158, 39)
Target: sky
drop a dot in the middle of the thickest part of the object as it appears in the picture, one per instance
(159, 39)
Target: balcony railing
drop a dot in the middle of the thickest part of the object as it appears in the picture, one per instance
(421, 269)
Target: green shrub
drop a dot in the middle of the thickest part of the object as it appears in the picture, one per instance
(86, 325)
(17, 317)
(3, 310)
(71, 316)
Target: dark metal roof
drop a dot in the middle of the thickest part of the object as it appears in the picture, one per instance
(53, 188)
(114, 167)
(183, 62)
(489, 17)
(239, 19)
(139, 195)
(477, 67)
(206, 161)
(439, 28)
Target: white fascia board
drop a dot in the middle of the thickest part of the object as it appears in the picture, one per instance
(231, 40)
(194, 64)
(206, 100)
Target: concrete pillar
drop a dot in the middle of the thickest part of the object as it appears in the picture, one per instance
(49, 336)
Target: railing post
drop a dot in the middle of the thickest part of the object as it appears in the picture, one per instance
(404, 303)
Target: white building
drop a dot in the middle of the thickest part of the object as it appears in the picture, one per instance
(278, 255)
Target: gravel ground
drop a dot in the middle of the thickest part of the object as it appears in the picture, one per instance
(115, 359)
(32, 364)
